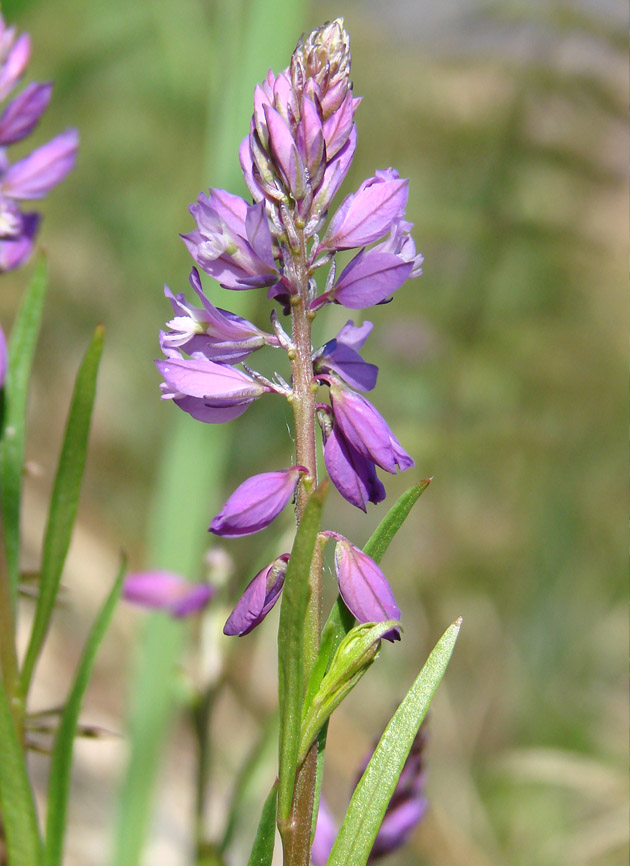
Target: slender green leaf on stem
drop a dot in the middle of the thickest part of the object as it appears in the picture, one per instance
(19, 817)
(290, 647)
(262, 852)
(356, 653)
(22, 344)
(64, 500)
(382, 536)
(61, 763)
(376, 786)
(341, 620)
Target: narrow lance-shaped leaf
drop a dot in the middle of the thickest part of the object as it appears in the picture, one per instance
(262, 851)
(291, 645)
(64, 500)
(376, 786)
(61, 763)
(21, 351)
(19, 817)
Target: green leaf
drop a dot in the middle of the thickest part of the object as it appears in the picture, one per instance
(22, 344)
(384, 533)
(262, 852)
(64, 501)
(17, 805)
(291, 646)
(61, 763)
(376, 786)
(356, 653)
(341, 620)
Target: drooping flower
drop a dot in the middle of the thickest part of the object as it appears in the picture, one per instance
(256, 502)
(366, 430)
(352, 474)
(165, 590)
(33, 176)
(363, 586)
(258, 599)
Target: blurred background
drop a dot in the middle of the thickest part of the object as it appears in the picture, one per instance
(502, 372)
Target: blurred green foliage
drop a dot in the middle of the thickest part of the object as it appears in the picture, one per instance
(501, 372)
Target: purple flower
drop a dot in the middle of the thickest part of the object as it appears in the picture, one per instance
(258, 599)
(363, 586)
(36, 174)
(164, 590)
(353, 476)
(256, 503)
(4, 358)
(366, 430)
(215, 334)
(15, 250)
(208, 391)
(340, 355)
(21, 115)
(232, 241)
(368, 214)
(370, 278)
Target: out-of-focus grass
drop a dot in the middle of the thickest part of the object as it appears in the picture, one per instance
(501, 371)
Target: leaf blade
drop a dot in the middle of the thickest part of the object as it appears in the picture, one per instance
(64, 500)
(262, 850)
(22, 346)
(377, 784)
(61, 762)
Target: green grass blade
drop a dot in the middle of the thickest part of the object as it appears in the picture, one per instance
(291, 646)
(262, 851)
(61, 763)
(19, 816)
(21, 351)
(376, 786)
(64, 500)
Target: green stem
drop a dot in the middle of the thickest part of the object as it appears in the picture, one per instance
(8, 655)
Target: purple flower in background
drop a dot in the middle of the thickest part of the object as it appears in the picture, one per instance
(258, 599)
(341, 356)
(164, 590)
(36, 174)
(232, 241)
(363, 586)
(405, 810)
(256, 502)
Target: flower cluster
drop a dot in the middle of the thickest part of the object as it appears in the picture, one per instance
(36, 174)
(299, 149)
(404, 812)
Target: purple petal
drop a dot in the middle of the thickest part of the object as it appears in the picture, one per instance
(285, 152)
(325, 835)
(256, 503)
(366, 430)
(14, 252)
(15, 64)
(258, 599)
(38, 173)
(201, 411)
(335, 174)
(20, 116)
(258, 233)
(398, 825)
(353, 476)
(245, 159)
(337, 127)
(217, 384)
(364, 587)
(368, 214)
(341, 356)
(369, 279)
(164, 590)
(310, 137)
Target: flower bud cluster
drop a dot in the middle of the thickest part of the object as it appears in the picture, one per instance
(33, 176)
(298, 151)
